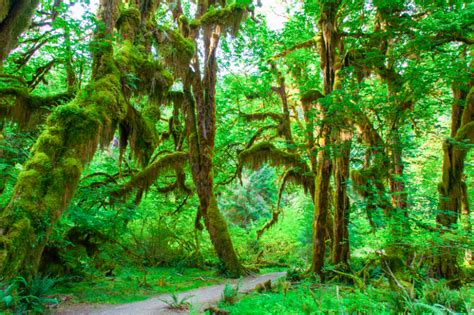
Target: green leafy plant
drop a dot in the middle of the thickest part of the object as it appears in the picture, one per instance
(6, 295)
(178, 303)
(439, 295)
(33, 294)
(230, 294)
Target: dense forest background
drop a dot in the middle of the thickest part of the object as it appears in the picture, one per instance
(141, 139)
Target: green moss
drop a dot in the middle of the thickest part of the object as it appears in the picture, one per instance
(311, 96)
(150, 174)
(144, 75)
(229, 17)
(264, 152)
(29, 178)
(465, 134)
(4, 8)
(72, 167)
(129, 22)
(40, 161)
(128, 57)
(178, 51)
(13, 247)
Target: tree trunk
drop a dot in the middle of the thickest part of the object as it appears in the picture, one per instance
(451, 189)
(340, 250)
(48, 181)
(15, 17)
(328, 44)
(201, 123)
(321, 206)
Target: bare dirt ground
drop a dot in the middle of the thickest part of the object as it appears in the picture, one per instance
(200, 299)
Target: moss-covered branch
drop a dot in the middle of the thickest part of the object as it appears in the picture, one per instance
(306, 44)
(149, 175)
(262, 116)
(27, 110)
(265, 152)
(229, 18)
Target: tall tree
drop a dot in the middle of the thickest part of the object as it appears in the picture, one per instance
(48, 181)
(452, 189)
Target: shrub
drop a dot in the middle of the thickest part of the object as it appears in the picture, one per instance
(230, 294)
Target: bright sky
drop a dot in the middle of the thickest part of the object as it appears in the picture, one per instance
(275, 12)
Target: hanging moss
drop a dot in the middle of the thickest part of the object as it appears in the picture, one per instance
(49, 179)
(128, 23)
(262, 116)
(150, 174)
(266, 152)
(143, 75)
(28, 111)
(229, 18)
(139, 133)
(177, 51)
(291, 176)
(311, 96)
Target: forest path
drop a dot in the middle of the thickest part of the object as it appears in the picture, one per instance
(200, 299)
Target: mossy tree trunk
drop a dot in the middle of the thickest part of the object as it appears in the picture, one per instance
(48, 181)
(401, 102)
(340, 250)
(200, 91)
(452, 197)
(329, 43)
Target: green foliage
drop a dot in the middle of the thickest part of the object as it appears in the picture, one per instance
(131, 229)
(177, 303)
(254, 199)
(230, 295)
(6, 295)
(310, 298)
(28, 296)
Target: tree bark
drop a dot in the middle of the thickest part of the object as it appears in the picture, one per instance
(329, 42)
(15, 17)
(201, 131)
(452, 197)
(340, 250)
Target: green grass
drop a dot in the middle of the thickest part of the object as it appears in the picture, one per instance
(312, 299)
(127, 286)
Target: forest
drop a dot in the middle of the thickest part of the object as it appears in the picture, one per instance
(236, 156)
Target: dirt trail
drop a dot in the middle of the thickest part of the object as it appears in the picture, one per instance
(200, 299)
